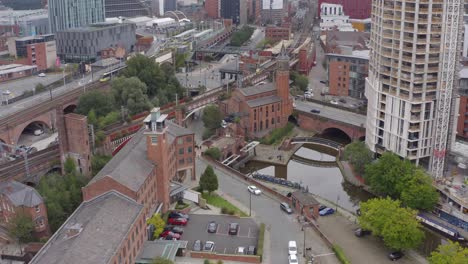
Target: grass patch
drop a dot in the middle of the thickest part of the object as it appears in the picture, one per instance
(277, 135)
(220, 202)
(340, 254)
(261, 238)
(181, 205)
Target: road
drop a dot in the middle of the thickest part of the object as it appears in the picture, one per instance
(332, 113)
(18, 87)
(282, 227)
(7, 110)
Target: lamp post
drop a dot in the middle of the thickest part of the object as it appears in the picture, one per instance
(250, 203)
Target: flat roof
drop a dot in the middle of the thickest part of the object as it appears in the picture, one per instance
(253, 90)
(159, 248)
(17, 69)
(464, 73)
(93, 233)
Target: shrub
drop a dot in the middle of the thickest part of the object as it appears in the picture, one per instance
(208, 133)
(206, 262)
(277, 134)
(340, 254)
(219, 262)
(231, 212)
(224, 210)
(261, 237)
(214, 153)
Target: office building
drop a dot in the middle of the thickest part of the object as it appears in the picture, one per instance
(347, 73)
(170, 5)
(25, 22)
(86, 43)
(411, 75)
(38, 50)
(462, 124)
(126, 8)
(235, 10)
(24, 4)
(273, 11)
(357, 9)
(67, 14)
(332, 17)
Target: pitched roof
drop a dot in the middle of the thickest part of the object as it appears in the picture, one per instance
(304, 198)
(253, 90)
(130, 166)
(263, 101)
(20, 194)
(93, 233)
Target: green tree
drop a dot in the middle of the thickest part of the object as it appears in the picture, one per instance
(398, 226)
(98, 162)
(213, 152)
(158, 224)
(40, 88)
(241, 36)
(212, 117)
(209, 180)
(359, 155)
(419, 193)
(451, 253)
(100, 101)
(301, 82)
(92, 118)
(389, 174)
(69, 165)
(109, 119)
(21, 227)
(160, 260)
(131, 93)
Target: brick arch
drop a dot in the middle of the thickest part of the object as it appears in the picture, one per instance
(70, 108)
(18, 131)
(336, 131)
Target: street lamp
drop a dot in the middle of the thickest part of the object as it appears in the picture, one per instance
(250, 204)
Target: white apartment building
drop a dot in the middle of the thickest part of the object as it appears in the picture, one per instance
(332, 17)
(405, 77)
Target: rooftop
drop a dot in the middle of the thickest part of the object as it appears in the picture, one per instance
(159, 248)
(20, 194)
(130, 166)
(98, 26)
(263, 101)
(253, 90)
(93, 233)
(11, 68)
(304, 198)
(464, 73)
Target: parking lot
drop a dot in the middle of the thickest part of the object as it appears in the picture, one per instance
(196, 229)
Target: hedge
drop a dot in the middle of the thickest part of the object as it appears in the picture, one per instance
(261, 238)
(340, 254)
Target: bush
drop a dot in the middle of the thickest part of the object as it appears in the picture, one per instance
(224, 210)
(340, 254)
(241, 36)
(208, 133)
(206, 262)
(219, 262)
(231, 212)
(261, 238)
(277, 134)
(214, 153)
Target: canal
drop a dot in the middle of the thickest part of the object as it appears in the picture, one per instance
(328, 183)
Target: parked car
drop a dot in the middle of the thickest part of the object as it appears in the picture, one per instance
(251, 250)
(395, 255)
(176, 214)
(292, 247)
(241, 251)
(335, 102)
(342, 101)
(324, 82)
(223, 124)
(38, 132)
(174, 229)
(322, 207)
(209, 246)
(293, 259)
(41, 74)
(316, 111)
(233, 228)
(177, 221)
(197, 246)
(361, 232)
(326, 211)
(169, 233)
(285, 207)
(212, 227)
(169, 237)
(253, 189)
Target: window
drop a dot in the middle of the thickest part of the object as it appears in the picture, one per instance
(272, 120)
(266, 124)
(189, 139)
(38, 209)
(180, 141)
(255, 127)
(189, 150)
(181, 162)
(189, 160)
(154, 140)
(255, 114)
(272, 108)
(181, 151)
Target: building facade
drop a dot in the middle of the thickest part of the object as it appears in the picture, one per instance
(275, 33)
(212, 8)
(25, 22)
(170, 5)
(39, 50)
(86, 43)
(126, 8)
(235, 10)
(67, 14)
(15, 71)
(347, 73)
(332, 17)
(17, 198)
(273, 11)
(359, 9)
(402, 87)
(462, 123)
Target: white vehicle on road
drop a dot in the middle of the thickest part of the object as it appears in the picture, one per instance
(41, 74)
(292, 248)
(335, 102)
(38, 132)
(293, 259)
(253, 189)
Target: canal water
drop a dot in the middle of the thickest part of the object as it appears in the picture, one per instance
(329, 184)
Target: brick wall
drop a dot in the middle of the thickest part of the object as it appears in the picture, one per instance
(240, 258)
(132, 244)
(318, 124)
(338, 78)
(463, 118)
(104, 185)
(78, 142)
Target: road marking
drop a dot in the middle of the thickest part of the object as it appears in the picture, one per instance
(323, 255)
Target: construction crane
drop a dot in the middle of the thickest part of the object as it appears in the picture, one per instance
(451, 36)
(15, 149)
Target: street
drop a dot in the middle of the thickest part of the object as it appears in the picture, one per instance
(18, 87)
(332, 113)
(282, 227)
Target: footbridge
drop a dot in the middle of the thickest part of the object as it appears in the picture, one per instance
(317, 141)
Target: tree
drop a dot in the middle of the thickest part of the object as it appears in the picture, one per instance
(160, 260)
(69, 165)
(98, 162)
(301, 82)
(92, 118)
(213, 152)
(358, 154)
(398, 226)
(158, 224)
(389, 174)
(212, 117)
(21, 227)
(131, 93)
(209, 180)
(100, 101)
(419, 193)
(39, 88)
(241, 36)
(451, 253)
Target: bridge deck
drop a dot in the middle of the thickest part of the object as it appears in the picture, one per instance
(332, 113)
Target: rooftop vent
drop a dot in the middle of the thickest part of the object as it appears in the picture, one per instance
(73, 230)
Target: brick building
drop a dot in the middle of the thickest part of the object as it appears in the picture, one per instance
(264, 107)
(18, 198)
(109, 228)
(347, 73)
(75, 142)
(359, 9)
(15, 71)
(40, 51)
(276, 33)
(212, 8)
(303, 203)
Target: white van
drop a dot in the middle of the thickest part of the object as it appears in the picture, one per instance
(292, 248)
